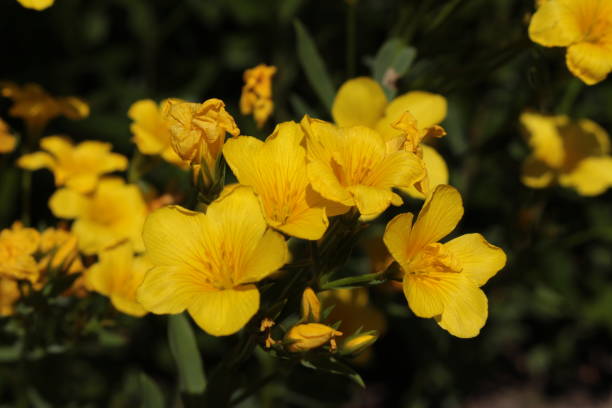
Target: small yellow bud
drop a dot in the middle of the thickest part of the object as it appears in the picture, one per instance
(311, 307)
(304, 337)
(359, 343)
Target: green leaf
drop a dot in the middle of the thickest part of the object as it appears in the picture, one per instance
(313, 66)
(151, 396)
(186, 354)
(392, 62)
(332, 365)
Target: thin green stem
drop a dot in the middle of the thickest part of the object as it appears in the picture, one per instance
(569, 98)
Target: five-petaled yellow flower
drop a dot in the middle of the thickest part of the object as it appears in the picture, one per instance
(584, 27)
(18, 246)
(7, 140)
(209, 263)
(443, 280)
(276, 169)
(256, 95)
(36, 107)
(114, 212)
(575, 153)
(355, 167)
(36, 4)
(151, 131)
(118, 274)
(77, 167)
(361, 101)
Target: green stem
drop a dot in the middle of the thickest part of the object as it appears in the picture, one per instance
(571, 94)
(352, 280)
(351, 39)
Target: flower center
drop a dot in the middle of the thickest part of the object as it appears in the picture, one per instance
(434, 258)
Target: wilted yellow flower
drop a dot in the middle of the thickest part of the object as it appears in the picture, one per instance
(304, 337)
(355, 167)
(9, 293)
(77, 167)
(276, 169)
(7, 140)
(151, 131)
(59, 249)
(575, 153)
(209, 263)
(443, 280)
(584, 27)
(311, 307)
(36, 107)
(117, 275)
(256, 95)
(17, 248)
(36, 4)
(361, 101)
(114, 212)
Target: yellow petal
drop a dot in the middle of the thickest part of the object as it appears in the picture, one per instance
(224, 312)
(589, 61)
(309, 224)
(36, 160)
(269, 256)
(128, 306)
(396, 237)
(359, 101)
(425, 294)
(66, 203)
(371, 201)
(60, 147)
(592, 176)
(325, 182)
(544, 137)
(437, 171)
(465, 309)
(439, 216)
(536, 173)
(36, 4)
(479, 259)
(84, 182)
(554, 24)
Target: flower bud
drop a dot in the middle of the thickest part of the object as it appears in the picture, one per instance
(304, 337)
(311, 307)
(357, 344)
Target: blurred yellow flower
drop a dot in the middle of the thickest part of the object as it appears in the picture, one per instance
(209, 263)
(114, 212)
(117, 275)
(59, 248)
(36, 107)
(584, 27)
(355, 167)
(7, 140)
(256, 95)
(311, 307)
(304, 337)
(361, 101)
(443, 280)
(36, 4)
(77, 167)
(574, 153)
(9, 293)
(352, 307)
(17, 248)
(151, 131)
(276, 169)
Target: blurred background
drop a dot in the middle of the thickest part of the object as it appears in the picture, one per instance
(548, 340)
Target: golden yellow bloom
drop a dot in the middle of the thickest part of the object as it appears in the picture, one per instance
(256, 95)
(209, 263)
(9, 293)
(361, 101)
(276, 169)
(36, 107)
(36, 4)
(114, 212)
(77, 167)
(304, 337)
(117, 275)
(575, 154)
(355, 167)
(17, 248)
(584, 27)
(352, 307)
(7, 140)
(311, 307)
(151, 131)
(443, 280)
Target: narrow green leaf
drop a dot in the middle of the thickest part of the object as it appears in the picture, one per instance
(186, 354)
(392, 62)
(313, 66)
(332, 365)
(151, 396)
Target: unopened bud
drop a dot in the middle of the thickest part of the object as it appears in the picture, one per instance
(311, 307)
(357, 344)
(305, 337)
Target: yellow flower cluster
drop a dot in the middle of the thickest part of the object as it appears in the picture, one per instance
(256, 95)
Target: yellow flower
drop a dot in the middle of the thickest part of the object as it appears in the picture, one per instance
(151, 131)
(9, 293)
(443, 280)
(36, 107)
(7, 140)
(76, 167)
(209, 263)
(256, 95)
(352, 307)
(114, 212)
(355, 167)
(576, 154)
(60, 249)
(311, 307)
(36, 4)
(276, 169)
(117, 275)
(361, 101)
(17, 248)
(584, 27)
(304, 337)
